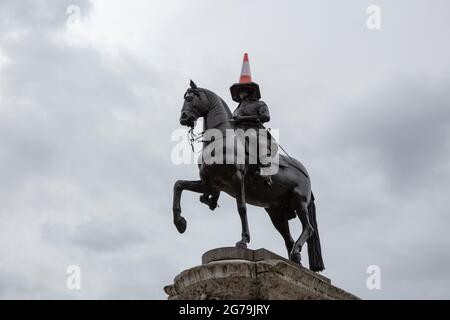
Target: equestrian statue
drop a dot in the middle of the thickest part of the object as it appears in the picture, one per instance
(285, 193)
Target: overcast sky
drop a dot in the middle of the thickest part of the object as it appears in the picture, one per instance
(87, 113)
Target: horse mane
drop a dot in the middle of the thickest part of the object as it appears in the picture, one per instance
(217, 102)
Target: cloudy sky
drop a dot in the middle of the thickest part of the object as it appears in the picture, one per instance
(87, 111)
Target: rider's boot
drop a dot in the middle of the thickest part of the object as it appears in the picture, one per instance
(266, 177)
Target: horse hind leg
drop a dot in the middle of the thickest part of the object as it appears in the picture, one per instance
(307, 231)
(280, 220)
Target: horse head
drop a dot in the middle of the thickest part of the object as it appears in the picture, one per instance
(196, 105)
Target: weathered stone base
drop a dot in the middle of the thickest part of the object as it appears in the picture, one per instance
(243, 274)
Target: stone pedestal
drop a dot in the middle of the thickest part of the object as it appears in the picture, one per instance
(244, 274)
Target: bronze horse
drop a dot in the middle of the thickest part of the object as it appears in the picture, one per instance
(288, 196)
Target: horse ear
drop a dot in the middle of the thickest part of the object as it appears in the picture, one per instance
(193, 85)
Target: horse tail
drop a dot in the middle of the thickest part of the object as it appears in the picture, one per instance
(314, 250)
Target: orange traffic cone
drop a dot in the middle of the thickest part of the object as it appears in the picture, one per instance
(245, 82)
(246, 74)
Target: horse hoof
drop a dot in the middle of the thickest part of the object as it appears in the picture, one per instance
(207, 200)
(241, 244)
(181, 224)
(212, 206)
(296, 257)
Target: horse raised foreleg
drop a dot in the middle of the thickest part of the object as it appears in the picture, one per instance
(238, 182)
(195, 186)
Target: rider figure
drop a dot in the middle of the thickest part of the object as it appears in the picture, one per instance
(251, 112)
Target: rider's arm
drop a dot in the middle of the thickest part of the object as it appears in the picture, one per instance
(264, 115)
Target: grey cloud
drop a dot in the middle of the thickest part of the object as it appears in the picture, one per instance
(402, 129)
(85, 136)
(101, 236)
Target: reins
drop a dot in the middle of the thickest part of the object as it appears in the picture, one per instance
(195, 137)
(285, 152)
